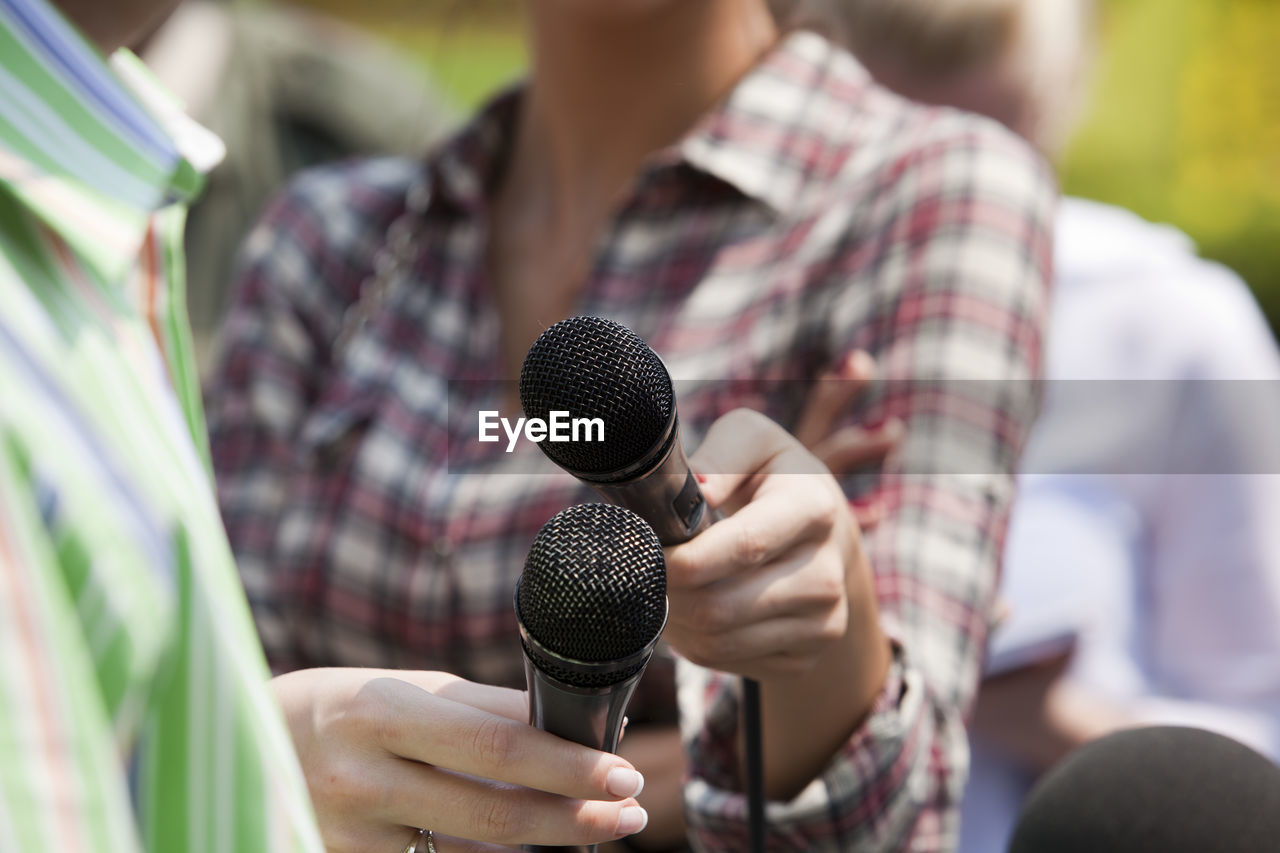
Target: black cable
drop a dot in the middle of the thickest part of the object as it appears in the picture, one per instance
(753, 746)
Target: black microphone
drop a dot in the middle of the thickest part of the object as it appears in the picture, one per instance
(593, 368)
(1163, 789)
(591, 603)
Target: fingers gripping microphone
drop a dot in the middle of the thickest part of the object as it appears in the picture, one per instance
(591, 603)
(596, 368)
(591, 367)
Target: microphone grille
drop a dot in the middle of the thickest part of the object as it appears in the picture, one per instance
(591, 367)
(1162, 789)
(594, 585)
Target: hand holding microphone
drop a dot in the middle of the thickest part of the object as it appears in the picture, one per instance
(780, 590)
(767, 591)
(386, 752)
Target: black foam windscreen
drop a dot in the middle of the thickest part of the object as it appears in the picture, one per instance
(1163, 789)
(594, 585)
(595, 368)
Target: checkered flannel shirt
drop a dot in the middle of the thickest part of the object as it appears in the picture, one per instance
(809, 214)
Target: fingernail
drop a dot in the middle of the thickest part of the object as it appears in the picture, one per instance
(860, 363)
(632, 820)
(701, 478)
(624, 782)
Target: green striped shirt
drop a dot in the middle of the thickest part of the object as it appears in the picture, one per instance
(134, 712)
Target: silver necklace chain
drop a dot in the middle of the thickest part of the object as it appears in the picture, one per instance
(391, 263)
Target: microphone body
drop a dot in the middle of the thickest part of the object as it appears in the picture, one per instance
(591, 716)
(662, 491)
(591, 605)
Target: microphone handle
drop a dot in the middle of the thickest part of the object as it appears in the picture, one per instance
(589, 716)
(668, 497)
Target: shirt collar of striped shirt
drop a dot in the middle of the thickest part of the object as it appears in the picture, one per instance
(760, 139)
(78, 148)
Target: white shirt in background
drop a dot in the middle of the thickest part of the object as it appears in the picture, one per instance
(1147, 527)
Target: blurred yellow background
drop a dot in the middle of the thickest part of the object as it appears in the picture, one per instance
(1183, 125)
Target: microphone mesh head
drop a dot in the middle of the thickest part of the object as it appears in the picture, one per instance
(1163, 789)
(594, 585)
(595, 368)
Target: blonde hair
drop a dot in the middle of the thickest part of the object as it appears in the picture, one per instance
(1047, 44)
(936, 36)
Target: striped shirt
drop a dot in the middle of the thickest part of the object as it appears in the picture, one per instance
(134, 711)
(809, 214)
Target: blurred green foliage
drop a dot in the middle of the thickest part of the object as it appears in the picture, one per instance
(471, 47)
(1183, 125)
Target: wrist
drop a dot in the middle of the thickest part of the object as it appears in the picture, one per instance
(808, 718)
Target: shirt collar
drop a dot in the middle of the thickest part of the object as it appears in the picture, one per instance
(776, 133)
(81, 150)
(770, 139)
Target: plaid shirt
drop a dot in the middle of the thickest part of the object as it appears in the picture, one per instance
(809, 214)
(134, 709)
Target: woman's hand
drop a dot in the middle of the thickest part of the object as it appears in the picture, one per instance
(847, 449)
(766, 591)
(1036, 715)
(387, 752)
(780, 591)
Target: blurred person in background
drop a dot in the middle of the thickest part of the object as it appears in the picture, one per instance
(1139, 589)
(127, 657)
(284, 88)
(693, 171)
(135, 708)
